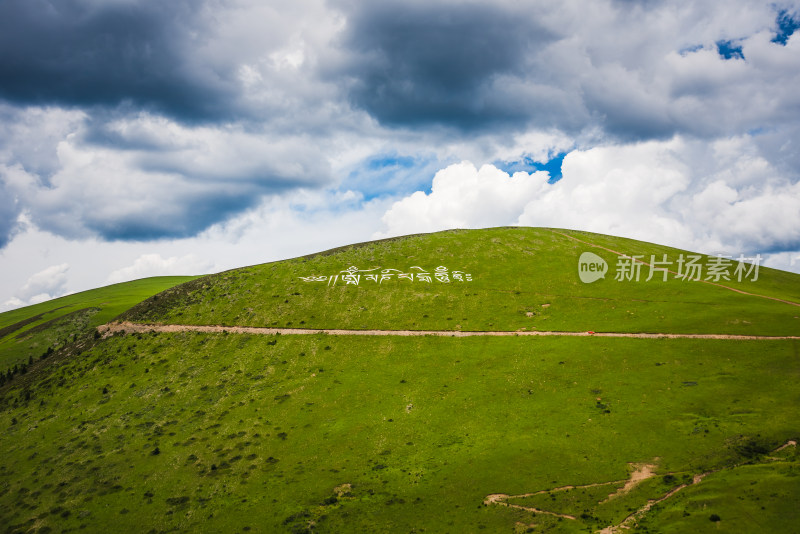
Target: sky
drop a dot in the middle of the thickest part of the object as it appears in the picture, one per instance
(142, 138)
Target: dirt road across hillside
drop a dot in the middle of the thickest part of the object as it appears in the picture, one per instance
(132, 328)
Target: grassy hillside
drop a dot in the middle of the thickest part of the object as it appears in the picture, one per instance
(29, 332)
(172, 432)
(522, 278)
(218, 433)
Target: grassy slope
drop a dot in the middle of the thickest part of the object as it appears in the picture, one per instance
(515, 272)
(259, 432)
(423, 430)
(29, 331)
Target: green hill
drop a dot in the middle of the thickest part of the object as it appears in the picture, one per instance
(227, 432)
(521, 278)
(28, 333)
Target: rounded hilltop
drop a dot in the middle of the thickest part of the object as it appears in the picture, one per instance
(510, 279)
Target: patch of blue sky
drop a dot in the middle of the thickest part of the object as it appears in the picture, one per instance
(729, 50)
(526, 164)
(383, 162)
(391, 174)
(690, 49)
(787, 24)
(761, 130)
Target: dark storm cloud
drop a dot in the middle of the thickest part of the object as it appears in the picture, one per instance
(421, 63)
(157, 207)
(601, 67)
(185, 217)
(77, 53)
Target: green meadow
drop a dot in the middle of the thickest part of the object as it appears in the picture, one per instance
(224, 432)
(193, 432)
(27, 333)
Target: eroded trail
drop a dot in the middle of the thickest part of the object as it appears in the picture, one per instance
(133, 328)
(639, 473)
(502, 500)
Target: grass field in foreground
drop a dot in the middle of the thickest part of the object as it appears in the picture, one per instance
(28, 332)
(220, 433)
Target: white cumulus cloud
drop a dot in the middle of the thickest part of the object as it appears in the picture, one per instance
(463, 196)
(710, 196)
(148, 265)
(44, 285)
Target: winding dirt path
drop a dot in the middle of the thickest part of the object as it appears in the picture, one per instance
(631, 519)
(501, 499)
(639, 473)
(133, 328)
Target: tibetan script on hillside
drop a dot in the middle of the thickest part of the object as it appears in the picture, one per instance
(354, 276)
